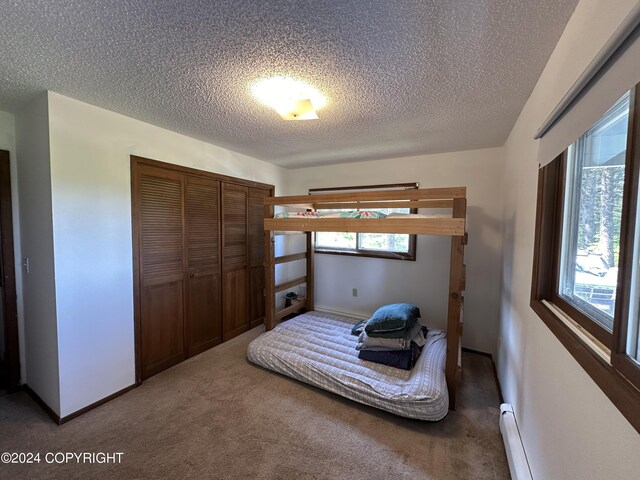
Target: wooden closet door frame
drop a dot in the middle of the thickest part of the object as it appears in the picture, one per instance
(9, 300)
(137, 291)
(136, 163)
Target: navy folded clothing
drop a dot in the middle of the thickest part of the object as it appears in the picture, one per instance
(404, 359)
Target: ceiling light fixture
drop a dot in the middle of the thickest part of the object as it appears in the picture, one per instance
(293, 99)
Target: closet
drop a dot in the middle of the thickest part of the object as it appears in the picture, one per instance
(256, 255)
(235, 262)
(198, 261)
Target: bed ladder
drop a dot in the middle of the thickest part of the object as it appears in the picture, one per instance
(272, 317)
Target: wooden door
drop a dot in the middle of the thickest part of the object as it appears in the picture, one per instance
(202, 240)
(158, 207)
(256, 255)
(235, 278)
(196, 255)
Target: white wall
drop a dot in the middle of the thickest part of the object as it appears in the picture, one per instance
(424, 282)
(34, 175)
(570, 429)
(91, 191)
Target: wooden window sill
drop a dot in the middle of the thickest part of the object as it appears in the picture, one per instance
(368, 254)
(583, 335)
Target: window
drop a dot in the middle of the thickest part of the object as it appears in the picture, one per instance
(586, 276)
(395, 246)
(590, 244)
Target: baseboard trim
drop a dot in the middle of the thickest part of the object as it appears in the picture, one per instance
(337, 312)
(478, 352)
(60, 420)
(36, 398)
(102, 401)
(495, 370)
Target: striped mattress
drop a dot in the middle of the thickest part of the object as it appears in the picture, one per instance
(318, 349)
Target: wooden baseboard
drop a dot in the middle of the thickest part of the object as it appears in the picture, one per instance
(102, 401)
(344, 314)
(495, 370)
(60, 420)
(477, 352)
(36, 398)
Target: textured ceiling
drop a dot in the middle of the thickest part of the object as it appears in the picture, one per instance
(402, 77)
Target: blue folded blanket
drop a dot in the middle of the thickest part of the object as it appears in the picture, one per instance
(392, 321)
(358, 328)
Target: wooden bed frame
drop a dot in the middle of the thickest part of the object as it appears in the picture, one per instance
(433, 198)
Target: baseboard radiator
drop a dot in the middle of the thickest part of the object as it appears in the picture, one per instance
(518, 464)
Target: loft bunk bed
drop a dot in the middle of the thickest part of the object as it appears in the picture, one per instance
(453, 225)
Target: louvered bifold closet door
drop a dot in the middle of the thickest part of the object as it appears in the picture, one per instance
(162, 322)
(256, 255)
(235, 311)
(202, 232)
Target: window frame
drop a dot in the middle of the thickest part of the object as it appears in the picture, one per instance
(576, 314)
(619, 378)
(620, 360)
(367, 253)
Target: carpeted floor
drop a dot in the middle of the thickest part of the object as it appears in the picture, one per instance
(218, 416)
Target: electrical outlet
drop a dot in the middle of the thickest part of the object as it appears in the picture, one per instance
(354, 292)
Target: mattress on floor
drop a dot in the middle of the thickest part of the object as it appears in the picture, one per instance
(318, 349)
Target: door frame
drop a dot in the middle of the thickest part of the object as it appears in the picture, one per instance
(8, 280)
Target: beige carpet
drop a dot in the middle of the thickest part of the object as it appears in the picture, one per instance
(218, 416)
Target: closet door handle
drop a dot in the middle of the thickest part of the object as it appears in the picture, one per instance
(192, 275)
